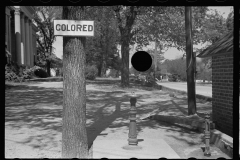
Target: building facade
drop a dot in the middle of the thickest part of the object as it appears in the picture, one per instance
(20, 34)
(222, 82)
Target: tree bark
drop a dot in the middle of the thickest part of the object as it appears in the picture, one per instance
(190, 63)
(99, 70)
(48, 68)
(74, 135)
(125, 62)
(126, 36)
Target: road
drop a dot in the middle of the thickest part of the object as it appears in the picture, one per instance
(202, 90)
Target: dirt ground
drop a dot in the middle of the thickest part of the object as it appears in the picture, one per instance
(33, 116)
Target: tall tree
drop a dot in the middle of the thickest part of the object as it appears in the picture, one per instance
(74, 135)
(102, 47)
(125, 18)
(44, 17)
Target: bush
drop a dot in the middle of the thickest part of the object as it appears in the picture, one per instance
(10, 74)
(13, 72)
(91, 72)
(41, 73)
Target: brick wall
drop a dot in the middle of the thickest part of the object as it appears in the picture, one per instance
(222, 93)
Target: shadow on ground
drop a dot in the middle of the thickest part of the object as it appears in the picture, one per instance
(41, 109)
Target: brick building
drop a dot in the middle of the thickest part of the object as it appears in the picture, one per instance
(222, 82)
(20, 34)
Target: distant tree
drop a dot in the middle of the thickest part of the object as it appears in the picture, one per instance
(132, 70)
(177, 66)
(204, 70)
(101, 50)
(43, 18)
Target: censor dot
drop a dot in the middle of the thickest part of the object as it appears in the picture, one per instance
(141, 61)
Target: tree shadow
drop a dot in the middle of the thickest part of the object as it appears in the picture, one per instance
(39, 109)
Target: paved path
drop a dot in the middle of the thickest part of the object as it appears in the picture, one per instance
(33, 119)
(182, 86)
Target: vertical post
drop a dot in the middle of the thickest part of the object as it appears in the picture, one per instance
(207, 135)
(132, 135)
(190, 63)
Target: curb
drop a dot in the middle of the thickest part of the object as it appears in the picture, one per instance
(217, 138)
(222, 141)
(207, 98)
(51, 79)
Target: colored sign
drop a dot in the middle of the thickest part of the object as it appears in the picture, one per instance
(73, 28)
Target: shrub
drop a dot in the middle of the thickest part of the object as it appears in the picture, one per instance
(91, 72)
(10, 74)
(40, 72)
(13, 72)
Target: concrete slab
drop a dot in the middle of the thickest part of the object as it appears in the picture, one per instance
(151, 149)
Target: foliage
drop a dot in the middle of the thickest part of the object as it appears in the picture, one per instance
(113, 73)
(171, 33)
(91, 72)
(214, 27)
(101, 50)
(132, 70)
(56, 62)
(177, 67)
(43, 18)
(41, 73)
(203, 68)
(10, 74)
(13, 72)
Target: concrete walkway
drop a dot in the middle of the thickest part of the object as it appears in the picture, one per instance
(33, 122)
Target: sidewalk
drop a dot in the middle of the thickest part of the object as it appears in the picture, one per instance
(219, 139)
(33, 120)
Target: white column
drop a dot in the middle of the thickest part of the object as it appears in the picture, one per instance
(34, 47)
(27, 42)
(31, 43)
(18, 34)
(6, 29)
(23, 39)
(9, 34)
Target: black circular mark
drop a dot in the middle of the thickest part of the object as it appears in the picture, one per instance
(45, 1)
(16, 1)
(74, 1)
(103, 1)
(141, 61)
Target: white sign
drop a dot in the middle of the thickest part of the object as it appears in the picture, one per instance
(73, 28)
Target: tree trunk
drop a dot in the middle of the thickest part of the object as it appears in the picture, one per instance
(74, 135)
(190, 63)
(125, 63)
(99, 69)
(103, 70)
(49, 68)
